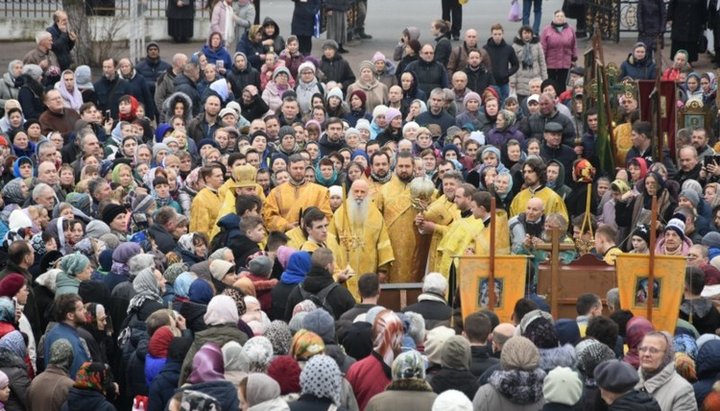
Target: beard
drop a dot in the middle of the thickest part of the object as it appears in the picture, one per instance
(405, 178)
(358, 211)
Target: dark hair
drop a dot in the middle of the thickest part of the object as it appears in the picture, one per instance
(524, 29)
(603, 329)
(477, 327)
(621, 318)
(482, 199)
(65, 304)
(694, 280)
(312, 215)
(18, 250)
(538, 166)
(247, 223)
(245, 202)
(275, 240)
(522, 307)
(586, 302)
(642, 127)
(379, 153)
(577, 221)
(369, 285)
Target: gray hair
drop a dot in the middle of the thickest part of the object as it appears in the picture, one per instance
(41, 35)
(39, 189)
(140, 262)
(613, 299)
(435, 283)
(33, 70)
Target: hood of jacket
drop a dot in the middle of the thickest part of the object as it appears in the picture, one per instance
(708, 360)
(491, 43)
(519, 41)
(223, 391)
(229, 222)
(270, 22)
(645, 62)
(169, 103)
(9, 80)
(317, 279)
(560, 182)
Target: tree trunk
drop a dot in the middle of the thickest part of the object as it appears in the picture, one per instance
(78, 19)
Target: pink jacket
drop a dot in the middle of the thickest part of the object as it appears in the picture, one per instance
(559, 47)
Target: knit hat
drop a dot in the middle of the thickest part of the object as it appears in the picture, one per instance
(258, 351)
(434, 342)
(452, 400)
(643, 232)
(160, 342)
(691, 196)
(321, 323)
(519, 353)
(562, 386)
(224, 112)
(407, 365)
(306, 344)
(279, 70)
(335, 92)
(83, 77)
(677, 224)
(363, 124)
(360, 94)
(61, 354)
(391, 113)
(378, 56)
(456, 353)
(73, 264)
(366, 64)
(280, 337)
(589, 354)
(321, 377)
(379, 110)
(11, 285)
(616, 376)
(330, 44)
(157, 147)
(286, 371)
(111, 211)
(306, 65)
(220, 268)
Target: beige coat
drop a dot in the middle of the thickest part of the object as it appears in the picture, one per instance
(669, 389)
(404, 395)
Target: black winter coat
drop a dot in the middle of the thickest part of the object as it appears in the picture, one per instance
(163, 238)
(432, 311)
(688, 18)
(504, 61)
(481, 360)
(61, 46)
(338, 70)
(429, 75)
(151, 71)
(339, 299)
(452, 379)
(241, 78)
(164, 386)
(184, 85)
(635, 401)
(138, 88)
(651, 20)
(223, 391)
(479, 79)
(309, 402)
(443, 49)
(85, 400)
(303, 18)
(256, 109)
(108, 94)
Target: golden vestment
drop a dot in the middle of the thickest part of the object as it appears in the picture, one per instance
(286, 201)
(296, 238)
(228, 204)
(365, 247)
(553, 202)
(502, 236)
(460, 234)
(442, 212)
(393, 200)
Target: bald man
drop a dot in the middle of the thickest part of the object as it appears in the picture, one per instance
(459, 54)
(500, 335)
(359, 228)
(526, 228)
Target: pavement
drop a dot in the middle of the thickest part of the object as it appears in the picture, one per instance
(386, 20)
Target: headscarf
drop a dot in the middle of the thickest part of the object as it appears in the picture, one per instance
(173, 272)
(198, 401)
(4, 380)
(636, 328)
(200, 292)
(181, 285)
(61, 354)
(221, 310)
(238, 297)
(258, 351)
(72, 99)
(306, 344)
(207, 365)
(505, 174)
(260, 388)
(121, 255)
(280, 337)
(509, 117)
(321, 377)
(160, 342)
(297, 268)
(407, 365)
(14, 342)
(12, 193)
(7, 310)
(146, 288)
(94, 376)
(233, 357)
(387, 335)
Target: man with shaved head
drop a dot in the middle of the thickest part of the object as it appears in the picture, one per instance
(526, 228)
(359, 228)
(459, 54)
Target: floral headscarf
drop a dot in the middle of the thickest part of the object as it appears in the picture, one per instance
(387, 335)
(306, 344)
(94, 376)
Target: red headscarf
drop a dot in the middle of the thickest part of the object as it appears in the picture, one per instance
(160, 341)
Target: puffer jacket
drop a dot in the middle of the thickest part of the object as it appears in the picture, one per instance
(429, 75)
(337, 69)
(708, 369)
(669, 389)
(638, 69)
(520, 80)
(635, 401)
(239, 79)
(559, 47)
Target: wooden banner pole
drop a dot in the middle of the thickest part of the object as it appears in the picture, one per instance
(651, 264)
(491, 273)
(554, 272)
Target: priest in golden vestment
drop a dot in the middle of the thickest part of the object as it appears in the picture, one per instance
(360, 230)
(480, 207)
(395, 203)
(461, 233)
(439, 215)
(286, 201)
(535, 178)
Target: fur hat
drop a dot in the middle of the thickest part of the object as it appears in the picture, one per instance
(111, 211)
(562, 386)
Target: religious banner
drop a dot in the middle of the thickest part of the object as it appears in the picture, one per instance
(509, 284)
(633, 272)
(667, 114)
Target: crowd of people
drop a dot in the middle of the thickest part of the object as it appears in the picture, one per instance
(212, 232)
